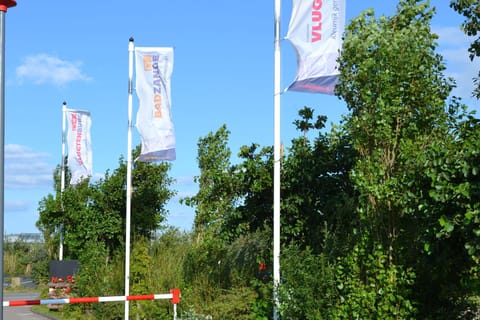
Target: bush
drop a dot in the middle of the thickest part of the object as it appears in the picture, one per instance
(307, 289)
(371, 287)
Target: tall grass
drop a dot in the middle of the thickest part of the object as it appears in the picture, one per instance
(10, 263)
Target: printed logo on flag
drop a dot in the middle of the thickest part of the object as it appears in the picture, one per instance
(153, 72)
(79, 145)
(150, 64)
(315, 31)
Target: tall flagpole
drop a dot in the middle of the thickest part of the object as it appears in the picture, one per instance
(4, 5)
(62, 177)
(277, 158)
(129, 176)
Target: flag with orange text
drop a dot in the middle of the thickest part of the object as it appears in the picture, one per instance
(153, 67)
(315, 31)
(79, 145)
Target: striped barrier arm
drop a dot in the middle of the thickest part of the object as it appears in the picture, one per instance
(174, 297)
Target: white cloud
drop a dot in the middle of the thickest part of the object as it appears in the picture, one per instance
(185, 181)
(17, 205)
(25, 168)
(44, 69)
(185, 187)
(453, 46)
(452, 36)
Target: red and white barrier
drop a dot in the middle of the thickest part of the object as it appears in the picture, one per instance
(174, 297)
(18, 303)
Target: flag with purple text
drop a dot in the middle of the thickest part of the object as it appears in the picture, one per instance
(315, 31)
(153, 67)
(79, 145)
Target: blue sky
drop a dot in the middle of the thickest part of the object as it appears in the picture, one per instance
(61, 50)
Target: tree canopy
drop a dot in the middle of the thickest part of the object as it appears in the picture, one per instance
(95, 210)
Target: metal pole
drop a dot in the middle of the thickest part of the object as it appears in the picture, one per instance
(277, 159)
(129, 175)
(4, 5)
(62, 178)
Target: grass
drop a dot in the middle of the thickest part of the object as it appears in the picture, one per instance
(43, 310)
(18, 290)
(59, 314)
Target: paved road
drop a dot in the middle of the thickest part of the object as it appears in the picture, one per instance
(20, 313)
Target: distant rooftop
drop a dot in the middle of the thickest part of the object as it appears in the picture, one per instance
(25, 237)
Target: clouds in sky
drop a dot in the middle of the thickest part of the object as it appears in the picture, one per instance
(47, 69)
(17, 205)
(454, 49)
(26, 168)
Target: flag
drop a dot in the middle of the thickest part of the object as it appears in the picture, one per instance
(315, 31)
(79, 145)
(153, 67)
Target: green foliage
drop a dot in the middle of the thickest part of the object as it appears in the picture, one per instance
(40, 263)
(140, 280)
(169, 252)
(218, 278)
(254, 178)
(369, 287)
(393, 84)
(407, 173)
(308, 288)
(98, 276)
(316, 188)
(25, 259)
(216, 196)
(95, 211)
(455, 185)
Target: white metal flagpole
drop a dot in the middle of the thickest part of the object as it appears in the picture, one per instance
(4, 5)
(277, 158)
(129, 176)
(62, 177)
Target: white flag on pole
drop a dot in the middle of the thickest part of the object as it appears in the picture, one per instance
(79, 145)
(153, 67)
(315, 31)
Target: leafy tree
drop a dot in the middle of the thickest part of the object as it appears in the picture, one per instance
(470, 9)
(150, 193)
(205, 262)
(96, 211)
(216, 197)
(371, 287)
(455, 176)
(453, 168)
(392, 81)
(308, 290)
(316, 191)
(254, 176)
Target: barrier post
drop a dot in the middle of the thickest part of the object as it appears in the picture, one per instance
(175, 300)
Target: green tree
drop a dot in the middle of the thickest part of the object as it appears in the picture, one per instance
(216, 198)
(308, 290)
(316, 191)
(150, 193)
(95, 211)
(392, 81)
(214, 202)
(254, 176)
